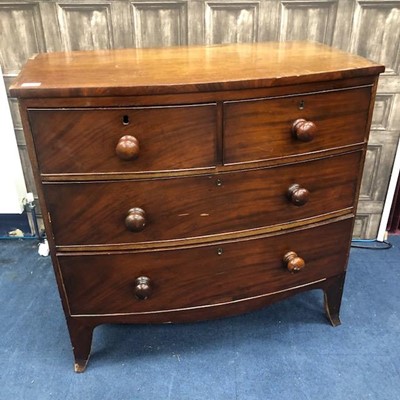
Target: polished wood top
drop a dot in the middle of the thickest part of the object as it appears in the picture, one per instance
(185, 69)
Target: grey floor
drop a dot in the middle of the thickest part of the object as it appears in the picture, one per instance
(285, 351)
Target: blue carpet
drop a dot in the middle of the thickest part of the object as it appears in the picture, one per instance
(285, 351)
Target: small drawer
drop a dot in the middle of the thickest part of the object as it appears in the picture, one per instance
(124, 139)
(263, 129)
(124, 212)
(210, 275)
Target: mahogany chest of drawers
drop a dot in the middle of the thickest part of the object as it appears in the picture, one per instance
(190, 183)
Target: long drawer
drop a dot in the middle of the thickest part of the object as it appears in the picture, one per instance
(173, 279)
(263, 129)
(100, 140)
(176, 208)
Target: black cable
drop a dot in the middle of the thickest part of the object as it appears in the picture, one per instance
(385, 245)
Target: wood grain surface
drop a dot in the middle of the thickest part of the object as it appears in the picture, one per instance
(185, 69)
(191, 207)
(85, 140)
(105, 284)
(261, 129)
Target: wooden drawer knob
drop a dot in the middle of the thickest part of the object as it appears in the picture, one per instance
(135, 221)
(127, 148)
(304, 130)
(298, 195)
(292, 262)
(142, 287)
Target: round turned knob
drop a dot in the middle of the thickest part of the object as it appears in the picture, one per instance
(298, 195)
(142, 287)
(135, 221)
(293, 262)
(304, 130)
(127, 148)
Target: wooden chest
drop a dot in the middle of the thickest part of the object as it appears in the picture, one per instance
(191, 183)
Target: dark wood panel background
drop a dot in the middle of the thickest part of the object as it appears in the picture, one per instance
(370, 28)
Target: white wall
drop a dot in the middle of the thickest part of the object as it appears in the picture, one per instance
(12, 184)
(390, 195)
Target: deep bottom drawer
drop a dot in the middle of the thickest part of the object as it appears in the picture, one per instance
(200, 276)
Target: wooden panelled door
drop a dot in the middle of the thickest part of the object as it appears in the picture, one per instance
(370, 28)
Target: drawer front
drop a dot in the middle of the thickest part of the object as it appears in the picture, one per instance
(107, 284)
(89, 141)
(262, 129)
(175, 208)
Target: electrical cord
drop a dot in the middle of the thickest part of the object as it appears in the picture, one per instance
(376, 245)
